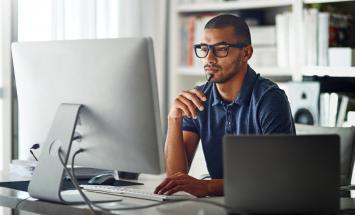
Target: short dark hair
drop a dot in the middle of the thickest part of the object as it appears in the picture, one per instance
(241, 28)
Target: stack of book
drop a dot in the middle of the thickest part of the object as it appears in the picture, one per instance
(263, 39)
(320, 30)
(333, 107)
(191, 29)
(285, 39)
(316, 35)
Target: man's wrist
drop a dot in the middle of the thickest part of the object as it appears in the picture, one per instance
(214, 187)
(175, 119)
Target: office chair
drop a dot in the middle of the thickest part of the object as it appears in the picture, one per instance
(347, 142)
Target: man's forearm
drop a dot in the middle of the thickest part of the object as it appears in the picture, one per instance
(175, 153)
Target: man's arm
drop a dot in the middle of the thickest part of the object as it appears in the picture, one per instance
(180, 147)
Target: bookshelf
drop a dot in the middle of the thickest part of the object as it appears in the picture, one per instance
(186, 76)
(265, 71)
(324, 1)
(328, 71)
(231, 5)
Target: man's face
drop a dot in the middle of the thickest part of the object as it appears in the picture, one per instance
(222, 68)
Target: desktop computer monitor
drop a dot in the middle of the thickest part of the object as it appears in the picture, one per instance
(103, 91)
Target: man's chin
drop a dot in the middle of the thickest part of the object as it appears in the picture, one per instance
(219, 80)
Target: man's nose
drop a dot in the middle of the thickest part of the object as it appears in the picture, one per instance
(211, 58)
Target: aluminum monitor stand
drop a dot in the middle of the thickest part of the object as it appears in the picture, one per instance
(49, 171)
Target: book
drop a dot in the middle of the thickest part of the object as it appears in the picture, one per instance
(323, 38)
(292, 42)
(333, 109)
(282, 42)
(324, 109)
(342, 110)
(311, 37)
(263, 35)
(264, 56)
(190, 39)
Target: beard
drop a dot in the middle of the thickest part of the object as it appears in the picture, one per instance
(230, 75)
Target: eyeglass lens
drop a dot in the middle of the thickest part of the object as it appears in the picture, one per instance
(218, 50)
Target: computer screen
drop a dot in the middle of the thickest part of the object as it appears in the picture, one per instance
(115, 82)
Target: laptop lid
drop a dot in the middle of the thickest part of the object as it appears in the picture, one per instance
(282, 174)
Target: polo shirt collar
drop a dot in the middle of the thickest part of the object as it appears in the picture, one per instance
(245, 91)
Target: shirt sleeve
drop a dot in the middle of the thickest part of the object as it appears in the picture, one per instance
(275, 115)
(189, 124)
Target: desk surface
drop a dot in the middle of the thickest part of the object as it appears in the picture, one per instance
(10, 198)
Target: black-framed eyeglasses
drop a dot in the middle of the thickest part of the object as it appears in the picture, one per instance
(219, 49)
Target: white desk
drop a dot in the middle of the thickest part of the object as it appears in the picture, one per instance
(9, 198)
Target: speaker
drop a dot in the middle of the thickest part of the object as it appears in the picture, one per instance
(304, 101)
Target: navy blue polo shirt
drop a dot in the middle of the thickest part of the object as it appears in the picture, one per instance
(261, 108)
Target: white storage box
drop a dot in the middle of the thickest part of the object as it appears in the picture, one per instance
(341, 57)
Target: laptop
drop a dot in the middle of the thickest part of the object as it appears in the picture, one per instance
(282, 174)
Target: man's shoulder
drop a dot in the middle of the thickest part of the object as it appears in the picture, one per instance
(266, 88)
(206, 87)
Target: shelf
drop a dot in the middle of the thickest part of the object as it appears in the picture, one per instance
(264, 71)
(323, 1)
(191, 71)
(328, 71)
(232, 5)
(273, 71)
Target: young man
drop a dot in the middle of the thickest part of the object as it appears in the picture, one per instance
(236, 100)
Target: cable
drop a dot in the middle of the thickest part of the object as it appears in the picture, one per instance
(172, 202)
(34, 146)
(151, 205)
(139, 207)
(34, 156)
(209, 77)
(75, 183)
(18, 203)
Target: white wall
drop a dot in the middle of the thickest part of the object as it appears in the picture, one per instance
(6, 35)
(85, 19)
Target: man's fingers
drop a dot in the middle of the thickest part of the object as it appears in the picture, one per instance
(188, 101)
(194, 98)
(199, 94)
(169, 186)
(189, 105)
(177, 189)
(161, 185)
(183, 107)
(176, 178)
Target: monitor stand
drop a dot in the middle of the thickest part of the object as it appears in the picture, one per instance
(47, 180)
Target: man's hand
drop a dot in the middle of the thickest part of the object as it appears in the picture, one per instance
(185, 104)
(183, 182)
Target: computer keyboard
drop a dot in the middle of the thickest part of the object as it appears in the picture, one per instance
(135, 193)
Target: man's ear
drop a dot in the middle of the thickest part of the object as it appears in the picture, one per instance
(248, 52)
